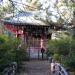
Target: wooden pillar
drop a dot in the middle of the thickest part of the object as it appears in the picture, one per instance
(38, 49)
(24, 33)
(30, 40)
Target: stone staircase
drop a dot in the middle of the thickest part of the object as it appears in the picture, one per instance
(35, 67)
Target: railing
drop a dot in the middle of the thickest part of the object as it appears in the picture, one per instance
(57, 69)
(11, 69)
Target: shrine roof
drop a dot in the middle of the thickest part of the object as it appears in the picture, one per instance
(23, 18)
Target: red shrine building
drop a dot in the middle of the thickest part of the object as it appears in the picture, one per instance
(33, 33)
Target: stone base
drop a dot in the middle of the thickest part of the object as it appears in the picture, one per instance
(72, 73)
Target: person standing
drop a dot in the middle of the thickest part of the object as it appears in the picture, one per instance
(42, 51)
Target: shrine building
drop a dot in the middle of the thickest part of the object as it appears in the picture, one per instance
(33, 33)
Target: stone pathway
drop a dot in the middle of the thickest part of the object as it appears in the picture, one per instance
(35, 67)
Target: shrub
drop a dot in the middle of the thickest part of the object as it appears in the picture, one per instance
(63, 49)
(56, 57)
(60, 47)
(9, 51)
(69, 62)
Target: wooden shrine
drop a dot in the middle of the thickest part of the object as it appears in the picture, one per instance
(34, 33)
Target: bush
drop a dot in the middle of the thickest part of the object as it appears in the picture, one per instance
(60, 47)
(9, 51)
(21, 55)
(49, 53)
(56, 57)
(69, 62)
(63, 51)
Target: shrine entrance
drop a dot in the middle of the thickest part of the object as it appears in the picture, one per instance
(33, 33)
(36, 38)
(33, 38)
(35, 49)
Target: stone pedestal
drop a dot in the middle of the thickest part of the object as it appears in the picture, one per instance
(72, 73)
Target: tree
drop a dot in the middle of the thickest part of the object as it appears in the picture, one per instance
(58, 10)
(48, 11)
(5, 9)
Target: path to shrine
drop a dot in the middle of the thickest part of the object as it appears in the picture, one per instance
(35, 67)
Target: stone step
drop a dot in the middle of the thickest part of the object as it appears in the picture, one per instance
(35, 67)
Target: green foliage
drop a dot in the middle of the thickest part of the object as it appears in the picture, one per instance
(69, 62)
(21, 56)
(5, 9)
(63, 51)
(72, 45)
(56, 57)
(60, 47)
(9, 51)
(49, 53)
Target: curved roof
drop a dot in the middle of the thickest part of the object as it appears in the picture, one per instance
(23, 18)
